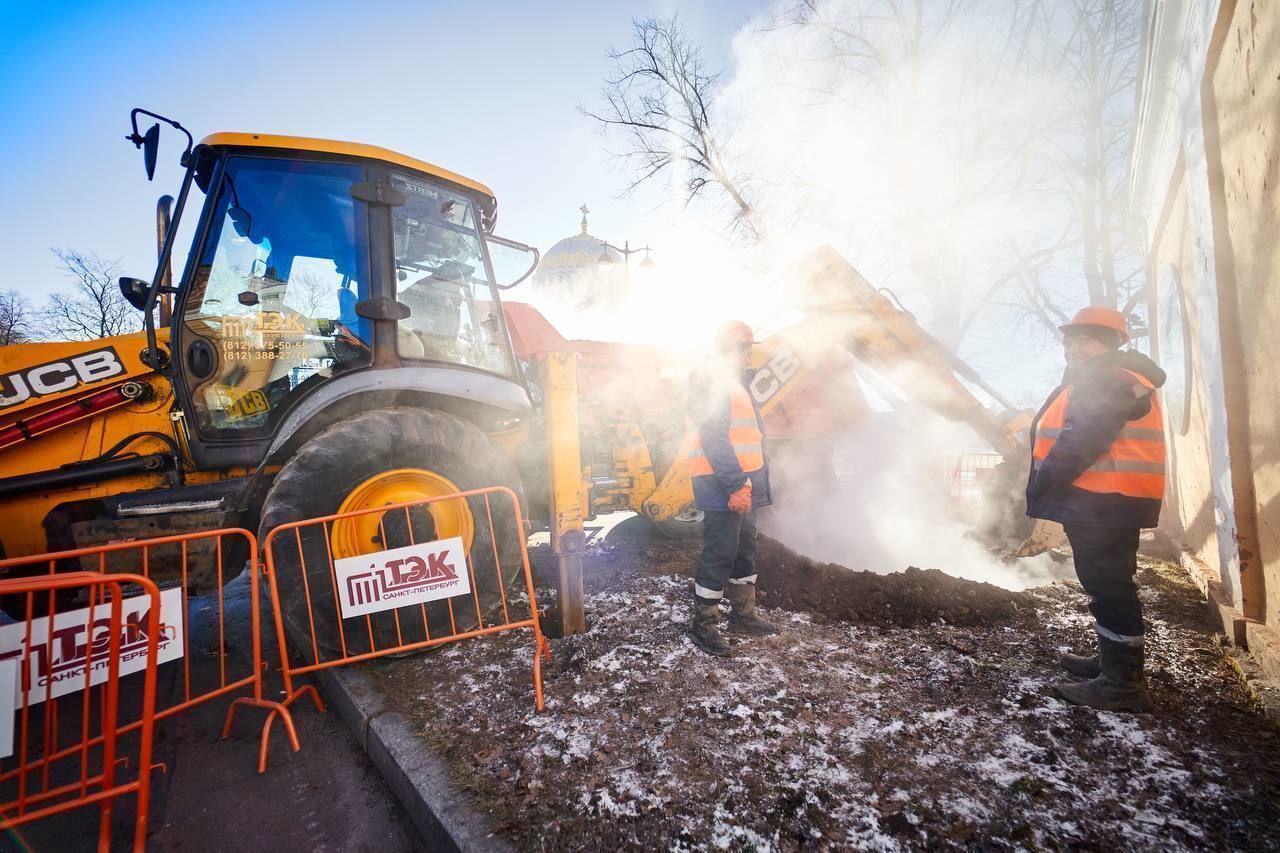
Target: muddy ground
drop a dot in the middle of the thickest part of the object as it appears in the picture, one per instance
(928, 722)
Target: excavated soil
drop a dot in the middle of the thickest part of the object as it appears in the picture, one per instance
(912, 597)
(847, 730)
(794, 582)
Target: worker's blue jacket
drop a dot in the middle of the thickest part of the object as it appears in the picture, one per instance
(710, 415)
(1102, 403)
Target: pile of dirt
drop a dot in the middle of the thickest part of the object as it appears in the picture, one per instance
(903, 599)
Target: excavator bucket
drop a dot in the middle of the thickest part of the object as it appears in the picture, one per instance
(1044, 536)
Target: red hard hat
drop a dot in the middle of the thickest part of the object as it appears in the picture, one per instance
(733, 333)
(1103, 318)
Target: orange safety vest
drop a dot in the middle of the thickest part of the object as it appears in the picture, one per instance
(744, 435)
(1133, 465)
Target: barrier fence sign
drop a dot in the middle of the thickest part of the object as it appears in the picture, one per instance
(58, 657)
(216, 643)
(10, 697)
(414, 574)
(342, 609)
(95, 747)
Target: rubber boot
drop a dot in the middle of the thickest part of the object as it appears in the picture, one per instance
(1121, 686)
(1085, 667)
(706, 629)
(743, 618)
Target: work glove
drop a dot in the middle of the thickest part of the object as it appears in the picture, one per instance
(740, 501)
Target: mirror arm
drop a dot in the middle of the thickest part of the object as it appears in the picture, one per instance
(136, 138)
(512, 244)
(161, 365)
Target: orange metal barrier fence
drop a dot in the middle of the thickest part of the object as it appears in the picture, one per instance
(361, 585)
(193, 568)
(83, 632)
(966, 473)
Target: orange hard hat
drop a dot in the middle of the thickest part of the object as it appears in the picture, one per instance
(1102, 318)
(732, 334)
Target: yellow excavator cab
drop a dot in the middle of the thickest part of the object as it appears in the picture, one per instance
(335, 337)
(355, 150)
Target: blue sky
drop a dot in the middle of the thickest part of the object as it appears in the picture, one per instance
(486, 89)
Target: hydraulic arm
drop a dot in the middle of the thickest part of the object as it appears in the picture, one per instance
(842, 309)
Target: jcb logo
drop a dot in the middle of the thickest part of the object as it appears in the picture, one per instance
(237, 404)
(58, 376)
(774, 376)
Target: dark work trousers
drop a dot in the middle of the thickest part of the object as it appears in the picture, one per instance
(1106, 560)
(728, 553)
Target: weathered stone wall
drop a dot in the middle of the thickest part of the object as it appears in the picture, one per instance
(1246, 107)
(1189, 502)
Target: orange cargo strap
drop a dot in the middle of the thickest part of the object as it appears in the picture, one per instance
(208, 559)
(745, 437)
(358, 618)
(67, 749)
(1133, 465)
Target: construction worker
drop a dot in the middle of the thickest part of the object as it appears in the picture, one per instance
(730, 474)
(1098, 468)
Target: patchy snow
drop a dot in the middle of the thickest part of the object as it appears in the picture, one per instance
(835, 736)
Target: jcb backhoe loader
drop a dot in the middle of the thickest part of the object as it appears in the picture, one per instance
(334, 342)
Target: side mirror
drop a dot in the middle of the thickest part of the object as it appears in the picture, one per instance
(241, 221)
(150, 150)
(134, 291)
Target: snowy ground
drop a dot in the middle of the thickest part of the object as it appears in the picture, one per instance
(837, 736)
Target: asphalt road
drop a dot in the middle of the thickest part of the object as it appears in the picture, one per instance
(328, 797)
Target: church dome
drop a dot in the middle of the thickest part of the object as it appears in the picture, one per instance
(574, 255)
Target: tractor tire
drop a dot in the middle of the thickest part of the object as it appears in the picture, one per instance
(686, 525)
(342, 460)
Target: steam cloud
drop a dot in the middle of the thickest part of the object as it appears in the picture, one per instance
(923, 168)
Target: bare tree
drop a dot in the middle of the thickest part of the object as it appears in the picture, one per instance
(1101, 50)
(874, 38)
(1093, 46)
(15, 318)
(878, 64)
(1065, 153)
(1023, 107)
(95, 308)
(660, 100)
(311, 295)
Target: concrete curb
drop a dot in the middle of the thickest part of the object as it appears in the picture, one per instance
(1264, 691)
(443, 815)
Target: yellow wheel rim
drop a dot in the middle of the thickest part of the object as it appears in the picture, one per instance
(363, 534)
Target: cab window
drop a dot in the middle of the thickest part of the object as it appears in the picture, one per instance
(442, 279)
(274, 290)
